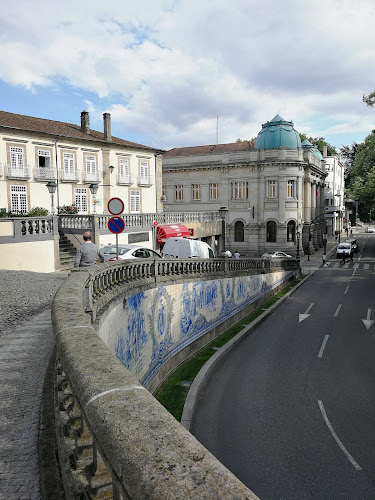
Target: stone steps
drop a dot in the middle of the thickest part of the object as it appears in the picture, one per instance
(67, 253)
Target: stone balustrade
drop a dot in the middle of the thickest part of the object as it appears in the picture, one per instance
(14, 229)
(115, 439)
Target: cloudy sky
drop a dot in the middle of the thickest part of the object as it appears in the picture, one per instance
(165, 69)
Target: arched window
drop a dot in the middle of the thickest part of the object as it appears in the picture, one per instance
(271, 231)
(239, 231)
(291, 231)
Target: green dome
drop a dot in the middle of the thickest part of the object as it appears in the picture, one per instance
(314, 150)
(278, 132)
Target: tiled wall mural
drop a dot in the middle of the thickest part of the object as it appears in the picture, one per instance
(150, 327)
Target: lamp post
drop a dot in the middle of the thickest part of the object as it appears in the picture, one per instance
(93, 190)
(298, 237)
(51, 189)
(223, 214)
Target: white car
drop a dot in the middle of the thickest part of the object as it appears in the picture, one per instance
(370, 229)
(276, 255)
(128, 252)
(343, 248)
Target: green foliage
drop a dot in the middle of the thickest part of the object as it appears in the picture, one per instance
(38, 212)
(319, 142)
(34, 212)
(68, 209)
(253, 139)
(369, 99)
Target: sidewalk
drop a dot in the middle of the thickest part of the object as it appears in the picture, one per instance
(309, 264)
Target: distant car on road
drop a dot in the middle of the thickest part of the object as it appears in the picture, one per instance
(343, 248)
(128, 252)
(276, 255)
(370, 229)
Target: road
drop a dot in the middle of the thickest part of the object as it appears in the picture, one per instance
(291, 412)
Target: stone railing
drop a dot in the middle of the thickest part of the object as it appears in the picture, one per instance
(27, 228)
(115, 439)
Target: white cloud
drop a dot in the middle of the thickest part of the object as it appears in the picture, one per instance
(170, 66)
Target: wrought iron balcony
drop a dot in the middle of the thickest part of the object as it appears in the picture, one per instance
(66, 176)
(18, 173)
(91, 177)
(145, 181)
(45, 174)
(125, 179)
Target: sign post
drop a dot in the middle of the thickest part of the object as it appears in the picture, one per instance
(115, 224)
(154, 234)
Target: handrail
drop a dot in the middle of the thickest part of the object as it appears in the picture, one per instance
(115, 432)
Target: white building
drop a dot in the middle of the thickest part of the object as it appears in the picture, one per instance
(273, 189)
(334, 193)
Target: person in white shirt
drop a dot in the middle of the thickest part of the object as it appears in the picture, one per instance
(236, 255)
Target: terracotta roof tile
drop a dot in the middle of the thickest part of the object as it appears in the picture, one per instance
(232, 147)
(62, 129)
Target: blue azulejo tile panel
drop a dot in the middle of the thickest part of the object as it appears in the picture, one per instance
(152, 326)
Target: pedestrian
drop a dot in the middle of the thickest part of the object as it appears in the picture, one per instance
(351, 232)
(324, 260)
(236, 254)
(351, 254)
(343, 258)
(88, 253)
(336, 233)
(228, 253)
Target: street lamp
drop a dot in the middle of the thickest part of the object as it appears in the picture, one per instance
(93, 190)
(298, 238)
(223, 214)
(51, 189)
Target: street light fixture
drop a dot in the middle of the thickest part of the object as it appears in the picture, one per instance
(51, 189)
(223, 214)
(93, 190)
(298, 238)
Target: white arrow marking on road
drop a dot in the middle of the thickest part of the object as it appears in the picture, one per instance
(306, 314)
(368, 322)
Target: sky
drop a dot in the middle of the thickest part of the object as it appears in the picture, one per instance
(165, 69)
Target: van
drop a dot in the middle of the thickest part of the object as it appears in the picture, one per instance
(183, 248)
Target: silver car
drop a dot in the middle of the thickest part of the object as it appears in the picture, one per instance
(128, 252)
(276, 255)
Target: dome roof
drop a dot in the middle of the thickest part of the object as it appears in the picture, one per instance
(314, 150)
(278, 132)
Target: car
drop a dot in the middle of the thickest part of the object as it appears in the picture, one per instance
(370, 229)
(276, 255)
(128, 252)
(354, 244)
(343, 248)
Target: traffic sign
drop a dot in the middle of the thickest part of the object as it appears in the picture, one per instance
(156, 222)
(116, 225)
(116, 206)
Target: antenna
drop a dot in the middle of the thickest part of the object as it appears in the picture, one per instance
(217, 129)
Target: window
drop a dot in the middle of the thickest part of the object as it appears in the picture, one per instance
(291, 231)
(214, 191)
(135, 202)
(124, 168)
(272, 193)
(68, 160)
(18, 199)
(179, 193)
(239, 190)
(195, 192)
(164, 192)
(271, 231)
(17, 157)
(44, 158)
(291, 189)
(90, 164)
(143, 169)
(239, 231)
(80, 199)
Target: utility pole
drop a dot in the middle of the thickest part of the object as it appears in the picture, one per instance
(217, 129)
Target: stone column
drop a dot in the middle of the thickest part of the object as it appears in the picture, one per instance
(307, 205)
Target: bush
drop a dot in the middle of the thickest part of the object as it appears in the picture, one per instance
(68, 209)
(34, 212)
(38, 212)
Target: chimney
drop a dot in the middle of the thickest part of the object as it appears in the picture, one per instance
(325, 151)
(85, 122)
(107, 127)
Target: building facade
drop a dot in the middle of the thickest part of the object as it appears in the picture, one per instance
(334, 193)
(34, 151)
(272, 191)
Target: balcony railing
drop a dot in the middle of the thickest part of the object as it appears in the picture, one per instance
(69, 176)
(125, 179)
(1, 169)
(91, 177)
(45, 174)
(18, 173)
(145, 181)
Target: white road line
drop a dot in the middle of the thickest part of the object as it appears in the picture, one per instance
(366, 266)
(346, 290)
(308, 309)
(323, 346)
(336, 438)
(337, 310)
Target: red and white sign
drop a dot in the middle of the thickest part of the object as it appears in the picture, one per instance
(116, 206)
(156, 222)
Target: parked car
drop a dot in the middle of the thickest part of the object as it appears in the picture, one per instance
(354, 244)
(184, 248)
(370, 229)
(128, 252)
(276, 255)
(343, 248)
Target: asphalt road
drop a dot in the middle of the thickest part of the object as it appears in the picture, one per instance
(291, 412)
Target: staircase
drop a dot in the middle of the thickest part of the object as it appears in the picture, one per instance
(67, 253)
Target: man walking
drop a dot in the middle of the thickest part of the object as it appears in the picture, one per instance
(88, 253)
(343, 258)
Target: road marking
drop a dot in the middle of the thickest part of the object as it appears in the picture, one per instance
(336, 438)
(366, 266)
(306, 314)
(356, 265)
(337, 310)
(346, 290)
(368, 322)
(323, 346)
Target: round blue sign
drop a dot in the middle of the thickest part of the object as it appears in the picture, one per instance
(116, 225)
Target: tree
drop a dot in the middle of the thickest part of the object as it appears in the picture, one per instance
(369, 99)
(319, 142)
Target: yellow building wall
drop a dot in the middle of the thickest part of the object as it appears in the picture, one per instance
(36, 256)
